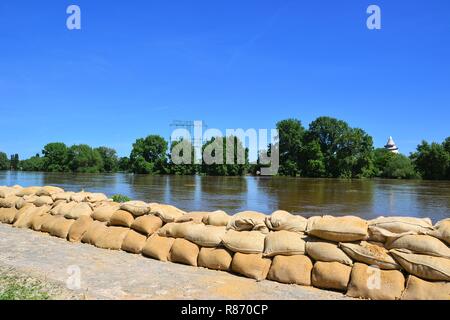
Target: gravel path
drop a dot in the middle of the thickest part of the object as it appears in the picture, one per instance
(106, 274)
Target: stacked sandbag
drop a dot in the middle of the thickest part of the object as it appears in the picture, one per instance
(337, 229)
(147, 224)
(24, 216)
(7, 215)
(326, 251)
(111, 238)
(217, 218)
(184, 251)
(283, 220)
(79, 228)
(105, 210)
(441, 231)
(251, 265)
(48, 191)
(291, 269)
(370, 254)
(331, 275)
(167, 213)
(215, 258)
(418, 289)
(158, 247)
(133, 242)
(248, 221)
(383, 228)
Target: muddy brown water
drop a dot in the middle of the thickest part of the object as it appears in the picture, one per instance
(364, 198)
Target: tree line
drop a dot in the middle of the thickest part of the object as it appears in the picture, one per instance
(328, 148)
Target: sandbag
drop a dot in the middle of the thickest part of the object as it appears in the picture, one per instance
(441, 231)
(194, 216)
(184, 251)
(284, 243)
(121, 218)
(158, 247)
(133, 242)
(60, 228)
(295, 269)
(111, 238)
(248, 221)
(331, 275)
(217, 218)
(79, 228)
(136, 208)
(28, 191)
(205, 235)
(20, 203)
(105, 211)
(244, 241)
(43, 201)
(370, 254)
(167, 213)
(418, 289)
(338, 229)
(215, 258)
(7, 215)
(47, 222)
(66, 196)
(9, 202)
(63, 208)
(79, 210)
(24, 220)
(96, 197)
(175, 230)
(421, 244)
(94, 231)
(48, 191)
(38, 220)
(373, 283)
(382, 228)
(425, 267)
(252, 265)
(283, 220)
(147, 224)
(327, 252)
(22, 210)
(7, 191)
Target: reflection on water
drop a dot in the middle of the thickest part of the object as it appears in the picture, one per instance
(365, 198)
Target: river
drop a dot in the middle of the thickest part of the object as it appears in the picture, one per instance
(364, 198)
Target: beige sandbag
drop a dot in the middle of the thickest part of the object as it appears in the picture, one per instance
(7, 215)
(215, 258)
(339, 229)
(136, 208)
(48, 191)
(421, 244)
(370, 254)
(373, 283)
(295, 269)
(425, 267)
(66, 196)
(37, 221)
(96, 197)
(217, 218)
(28, 191)
(205, 235)
(24, 220)
(283, 220)
(158, 247)
(244, 241)
(248, 221)
(284, 243)
(327, 252)
(121, 218)
(184, 251)
(30, 198)
(441, 231)
(383, 227)
(105, 211)
(195, 216)
(62, 208)
(175, 230)
(252, 265)
(79, 196)
(167, 213)
(43, 201)
(60, 228)
(20, 203)
(112, 238)
(9, 201)
(94, 231)
(48, 221)
(79, 210)
(22, 210)
(133, 242)
(147, 224)
(79, 228)
(331, 275)
(7, 191)
(418, 289)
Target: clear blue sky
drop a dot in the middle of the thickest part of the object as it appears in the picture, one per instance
(137, 65)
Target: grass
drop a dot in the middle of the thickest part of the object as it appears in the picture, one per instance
(15, 288)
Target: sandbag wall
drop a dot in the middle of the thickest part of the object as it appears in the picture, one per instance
(383, 259)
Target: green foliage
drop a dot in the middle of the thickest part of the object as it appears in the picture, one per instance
(185, 168)
(124, 164)
(149, 155)
(433, 160)
(393, 166)
(15, 288)
(290, 143)
(120, 198)
(109, 158)
(14, 162)
(4, 162)
(35, 163)
(56, 157)
(82, 158)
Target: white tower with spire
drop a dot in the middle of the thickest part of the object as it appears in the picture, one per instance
(391, 146)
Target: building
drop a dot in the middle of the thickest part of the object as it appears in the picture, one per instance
(391, 146)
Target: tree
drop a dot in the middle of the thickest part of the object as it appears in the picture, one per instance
(187, 167)
(4, 162)
(149, 155)
(314, 161)
(109, 157)
(290, 136)
(432, 161)
(82, 158)
(14, 162)
(124, 164)
(35, 163)
(393, 166)
(56, 157)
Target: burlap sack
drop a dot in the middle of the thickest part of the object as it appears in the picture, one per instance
(372, 283)
(425, 267)
(22, 210)
(60, 228)
(248, 221)
(7, 191)
(133, 242)
(217, 218)
(79, 210)
(94, 231)
(175, 230)
(421, 244)
(37, 221)
(284, 243)
(105, 211)
(62, 208)
(48, 191)
(418, 289)
(28, 191)
(205, 235)
(184, 251)
(121, 218)
(382, 228)
(215, 258)
(9, 202)
(96, 197)
(441, 231)
(112, 238)
(252, 265)
(331, 275)
(47, 222)
(167, 213)
(147, 224)
(24, 219)
(158, 247)
(79, 228)
(195, 216)
(20, 203)
(370, 254)
(136, 208)
(43, 201)
(294, 269)
(339, 229)
(283, 220)
(79, 196)
(66, 196)
(244, 241)
(327, 252)
(7, 215)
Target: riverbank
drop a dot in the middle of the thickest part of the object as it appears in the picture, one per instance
(107, 274)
